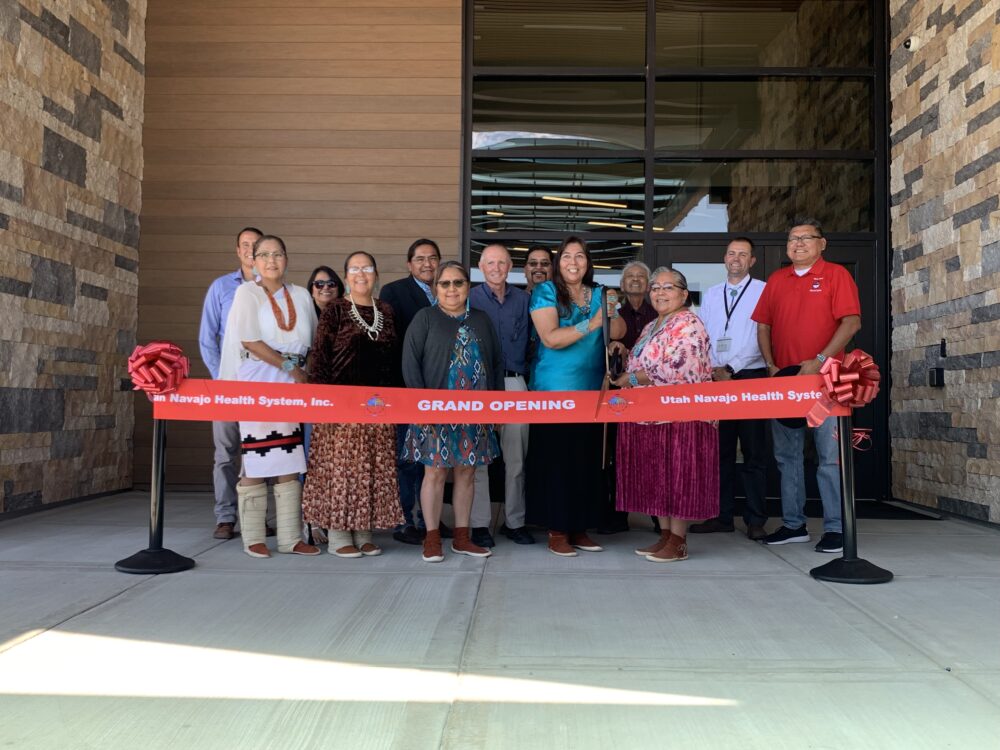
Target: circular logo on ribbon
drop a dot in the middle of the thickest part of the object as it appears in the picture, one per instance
(375, 405)
(618, 404)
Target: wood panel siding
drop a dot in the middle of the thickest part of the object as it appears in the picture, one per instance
(335, 124)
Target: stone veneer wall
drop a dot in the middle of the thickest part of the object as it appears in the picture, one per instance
(945, 181)
(70, 172)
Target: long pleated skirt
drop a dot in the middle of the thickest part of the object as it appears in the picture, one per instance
(669, 469)
(565, 486)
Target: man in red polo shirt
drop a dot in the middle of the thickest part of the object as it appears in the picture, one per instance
(807, 312)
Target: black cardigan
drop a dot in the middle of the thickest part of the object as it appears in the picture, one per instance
(429, 343)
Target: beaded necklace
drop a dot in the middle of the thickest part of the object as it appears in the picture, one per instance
(278, 316)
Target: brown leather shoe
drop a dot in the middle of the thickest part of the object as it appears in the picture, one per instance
(224, 531)
(559, 545)
(580, 540)
(462, 544)
(432, 546)
(756, 532)
(348, 550)
(655, 546)
(674, 550)
(258, 550)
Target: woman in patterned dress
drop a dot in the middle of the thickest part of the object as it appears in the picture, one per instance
(450, 346)
(669, 469)
(351, 484)
(268, 332)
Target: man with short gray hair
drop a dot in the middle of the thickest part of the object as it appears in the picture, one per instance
(507, 307)
(636, 311)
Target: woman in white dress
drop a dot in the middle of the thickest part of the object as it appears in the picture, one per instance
(268, 333)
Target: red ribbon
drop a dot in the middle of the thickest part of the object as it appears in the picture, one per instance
(158, 367)
(852, 383)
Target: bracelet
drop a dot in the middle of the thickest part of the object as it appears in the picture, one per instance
(583, 327)
(633, 379)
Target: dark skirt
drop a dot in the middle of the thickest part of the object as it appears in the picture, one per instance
(669, 469)
(565, 488)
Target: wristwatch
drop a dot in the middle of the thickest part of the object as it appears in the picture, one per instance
(288, 365)
(821, 357)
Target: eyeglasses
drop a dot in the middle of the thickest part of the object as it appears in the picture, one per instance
(270, 256)
(325, 284)
(449, 283)
(538, 263)
(422, 260)
(665, 287)
(793, 240)
(354, 270)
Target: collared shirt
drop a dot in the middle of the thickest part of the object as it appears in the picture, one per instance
(805, 311)
(740, 300)
(635, 320)
(511, 321)
(427, 289)
(214, 314)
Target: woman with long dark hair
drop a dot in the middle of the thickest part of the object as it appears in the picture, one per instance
(325, 286)
(565, 484)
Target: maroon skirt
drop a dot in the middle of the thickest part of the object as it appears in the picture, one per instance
(669, 469)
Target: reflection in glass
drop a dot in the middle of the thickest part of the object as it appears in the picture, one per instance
(558, 114)
(701, 276)
(609, 257)
(559, 195)
(762, 195)
(560, 33)
(778, 113)
(789, 33)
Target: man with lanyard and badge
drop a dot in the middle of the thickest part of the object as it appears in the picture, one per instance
(725, 311)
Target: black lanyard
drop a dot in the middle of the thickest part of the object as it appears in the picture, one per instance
(731, 310)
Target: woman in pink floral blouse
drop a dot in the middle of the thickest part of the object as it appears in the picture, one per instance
(669, 469)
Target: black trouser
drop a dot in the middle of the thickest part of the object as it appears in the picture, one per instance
(751, 434)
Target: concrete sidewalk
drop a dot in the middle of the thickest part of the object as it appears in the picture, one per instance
(735, 648)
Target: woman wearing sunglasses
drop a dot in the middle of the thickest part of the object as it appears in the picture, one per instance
(325, 286)
(351, 485)
(452, 347)
(669, 469)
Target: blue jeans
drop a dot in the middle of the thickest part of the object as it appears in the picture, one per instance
(410, 476)
(789, 443)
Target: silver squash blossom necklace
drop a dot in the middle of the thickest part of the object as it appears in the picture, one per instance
(375, 328)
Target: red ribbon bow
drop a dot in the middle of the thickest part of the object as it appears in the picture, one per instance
(853, 383)
(158, 367)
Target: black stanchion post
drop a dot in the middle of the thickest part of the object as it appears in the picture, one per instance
(156, 559)
(849, 568)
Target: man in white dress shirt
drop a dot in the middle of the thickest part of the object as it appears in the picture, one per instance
(725, 311)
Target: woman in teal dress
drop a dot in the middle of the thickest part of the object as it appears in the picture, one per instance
(565, 488)
(450, 346)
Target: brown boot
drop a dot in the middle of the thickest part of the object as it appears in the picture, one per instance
(655, 546)
(674, 550)
(462, 544)
(559, 544)
(432, 546)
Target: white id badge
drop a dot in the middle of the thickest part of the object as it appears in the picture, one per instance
(722, 345)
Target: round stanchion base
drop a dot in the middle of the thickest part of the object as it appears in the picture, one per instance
(150, 561)
(851, 571)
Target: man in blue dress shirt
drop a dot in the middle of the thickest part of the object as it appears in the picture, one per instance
(725, 311)
(226, 435)
(507, 307)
